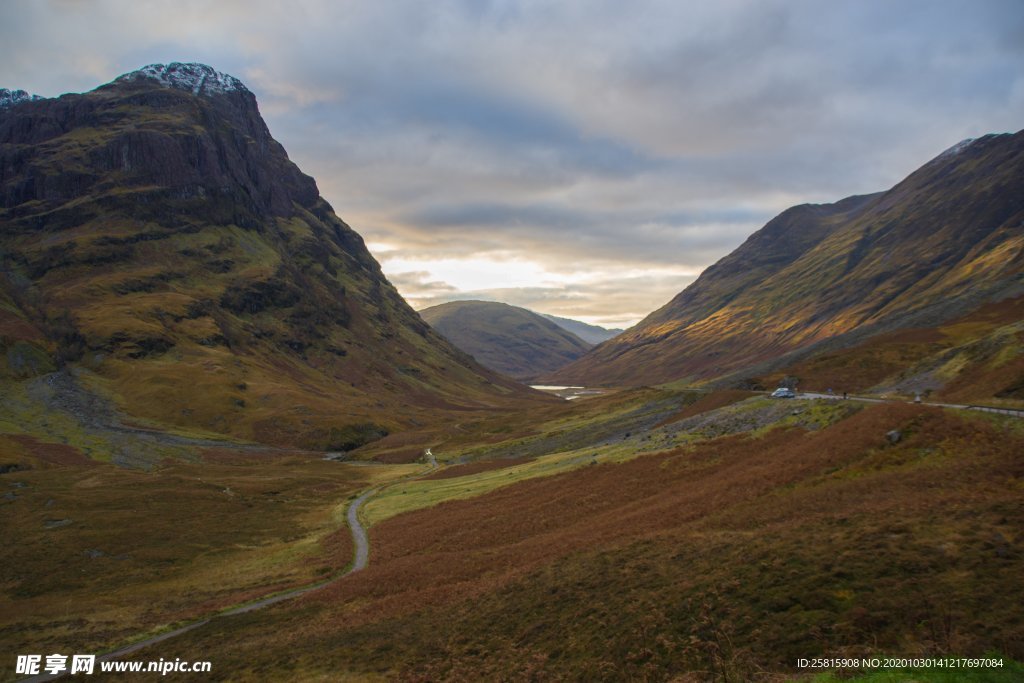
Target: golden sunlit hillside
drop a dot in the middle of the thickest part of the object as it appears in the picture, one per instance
(821, 278)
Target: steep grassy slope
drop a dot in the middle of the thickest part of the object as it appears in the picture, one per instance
(508, 339)
(723, 560)
(943, 242)
(975, 357)
(159, 241)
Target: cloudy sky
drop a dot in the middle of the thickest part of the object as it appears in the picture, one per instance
(585, 159)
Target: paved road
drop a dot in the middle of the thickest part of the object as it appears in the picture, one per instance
(359, 534)
(360, 560)
(865, 399)
(362, 557)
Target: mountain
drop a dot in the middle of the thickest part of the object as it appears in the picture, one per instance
(159, 245)
(508, 339)
(592, 334)
(9, 98)
(817, 278)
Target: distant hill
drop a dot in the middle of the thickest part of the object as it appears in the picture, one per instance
(508, 339)
(820, 278)
(157, 242)
(592, 334)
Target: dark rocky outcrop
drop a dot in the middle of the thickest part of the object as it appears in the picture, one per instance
(228, 159)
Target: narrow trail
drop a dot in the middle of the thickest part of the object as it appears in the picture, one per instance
(361, 559)
(359, 536)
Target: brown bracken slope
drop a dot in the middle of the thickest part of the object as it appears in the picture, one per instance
(724, 560)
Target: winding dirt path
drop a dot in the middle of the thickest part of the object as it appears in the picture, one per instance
(360, 560)
(60, 391)
(359, 536)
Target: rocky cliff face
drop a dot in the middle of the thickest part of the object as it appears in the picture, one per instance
(159, 240)
(9, 98)
(943, 242)
(226, 154)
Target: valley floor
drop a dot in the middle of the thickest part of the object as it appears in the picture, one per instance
(643, 535)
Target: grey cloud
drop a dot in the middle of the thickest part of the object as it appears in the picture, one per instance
(553, 234)
(589, 133)
(420, 283)
(614, 302)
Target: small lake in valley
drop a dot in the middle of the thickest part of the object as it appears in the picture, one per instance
(568, 393)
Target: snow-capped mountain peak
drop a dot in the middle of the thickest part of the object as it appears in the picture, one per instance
(957, 148)
(9, 98)
(199, 79)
